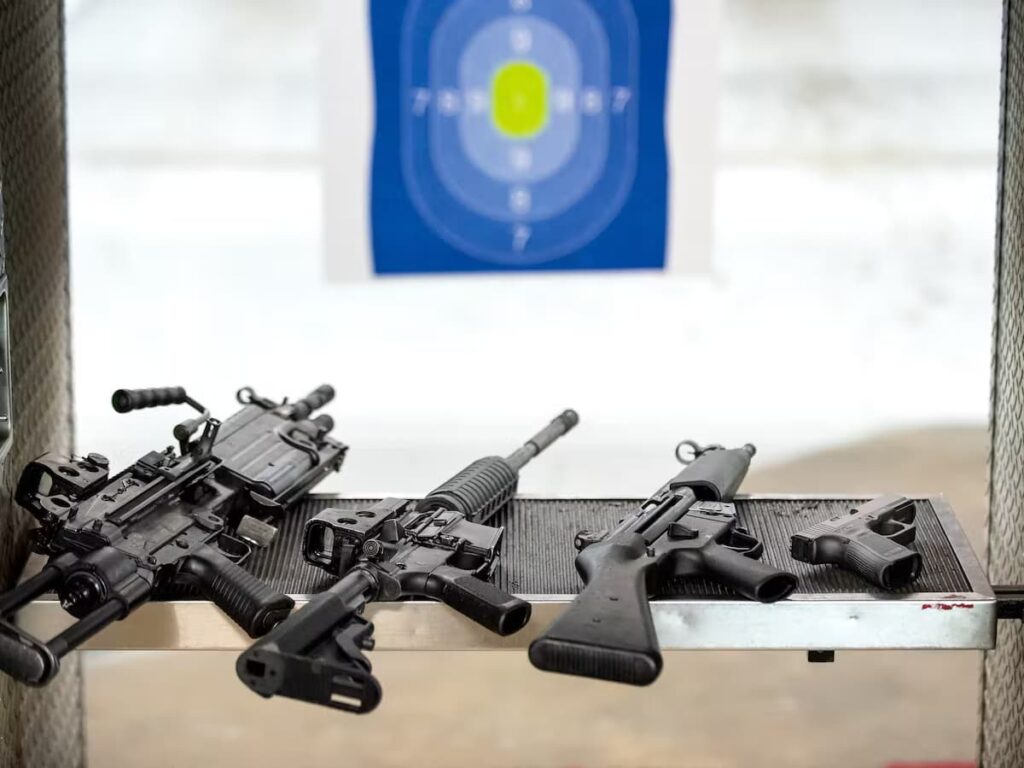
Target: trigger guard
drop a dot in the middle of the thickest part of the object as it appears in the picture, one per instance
(905, 534)
(742, 542)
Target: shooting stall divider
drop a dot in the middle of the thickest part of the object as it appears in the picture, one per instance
(37, 727)
(1002, 719)
(44, 728)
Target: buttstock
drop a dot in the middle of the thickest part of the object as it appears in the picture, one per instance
(607, 632)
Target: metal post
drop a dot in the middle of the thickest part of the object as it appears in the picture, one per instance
(37, 727)
(1002, 716)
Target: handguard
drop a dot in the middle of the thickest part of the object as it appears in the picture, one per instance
(870, 541)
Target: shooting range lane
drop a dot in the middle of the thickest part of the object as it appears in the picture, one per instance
(950, 606)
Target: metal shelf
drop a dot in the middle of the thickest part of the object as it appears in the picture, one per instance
(829, 611)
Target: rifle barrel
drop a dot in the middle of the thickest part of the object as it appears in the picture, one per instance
(561, 424)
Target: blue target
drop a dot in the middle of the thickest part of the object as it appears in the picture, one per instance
(519, 134)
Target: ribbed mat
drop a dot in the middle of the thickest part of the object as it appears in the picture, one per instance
(538, 554)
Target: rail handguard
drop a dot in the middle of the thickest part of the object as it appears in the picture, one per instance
(186, 517)
(436, 547)
(687, 528)
(869, 540)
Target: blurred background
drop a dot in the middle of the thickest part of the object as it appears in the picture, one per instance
(841, 323)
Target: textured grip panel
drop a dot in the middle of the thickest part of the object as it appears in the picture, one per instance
(24, 663)
(250, 603)
(125, 400)
(881, 561)
(480, 491)
(485, 604)
(616, 665)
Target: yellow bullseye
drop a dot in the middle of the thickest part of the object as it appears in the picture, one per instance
(519, 99)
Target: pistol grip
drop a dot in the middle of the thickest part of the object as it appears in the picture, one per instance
(751, 578)
(607, 633)
(480, 601)
(249, 602)
(881, 560)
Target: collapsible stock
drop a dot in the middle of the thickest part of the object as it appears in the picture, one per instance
(317, 655)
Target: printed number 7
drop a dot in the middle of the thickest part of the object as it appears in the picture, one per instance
(520, 237)
(420, 101)
(620, 98)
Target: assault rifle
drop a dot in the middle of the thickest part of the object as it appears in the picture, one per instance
(437, 547)
(189, 517)
(687, 528)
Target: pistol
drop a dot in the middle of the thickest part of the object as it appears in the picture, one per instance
(869, 540)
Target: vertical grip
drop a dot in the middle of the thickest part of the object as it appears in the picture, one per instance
(751, 578)
(125, 400)
(607, 633)
(249, 602)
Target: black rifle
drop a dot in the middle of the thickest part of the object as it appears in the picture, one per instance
(436, 547)
(170, 518)
(869, 540)
(687, 529)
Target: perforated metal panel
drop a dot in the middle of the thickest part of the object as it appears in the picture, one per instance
(1002, 728)
(37, 727)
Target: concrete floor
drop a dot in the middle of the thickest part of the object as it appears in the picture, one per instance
(708, 709)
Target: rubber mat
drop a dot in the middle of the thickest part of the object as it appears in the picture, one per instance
(537, 554)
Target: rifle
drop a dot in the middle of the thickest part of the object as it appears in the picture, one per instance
(687, 528)
(170, 518)
(437, 547)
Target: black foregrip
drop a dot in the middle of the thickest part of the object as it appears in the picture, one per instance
(250, 603)
(479, 491)
(125, 400)
(315, 400)
(752, 579)
(607, 633)
(715, 475)
(24, 663)
(485, 604)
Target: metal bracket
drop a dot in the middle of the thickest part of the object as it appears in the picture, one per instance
(1009, 601)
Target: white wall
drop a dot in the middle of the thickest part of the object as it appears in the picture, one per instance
(849, 292)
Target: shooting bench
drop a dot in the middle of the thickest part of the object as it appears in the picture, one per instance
(951, 606)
